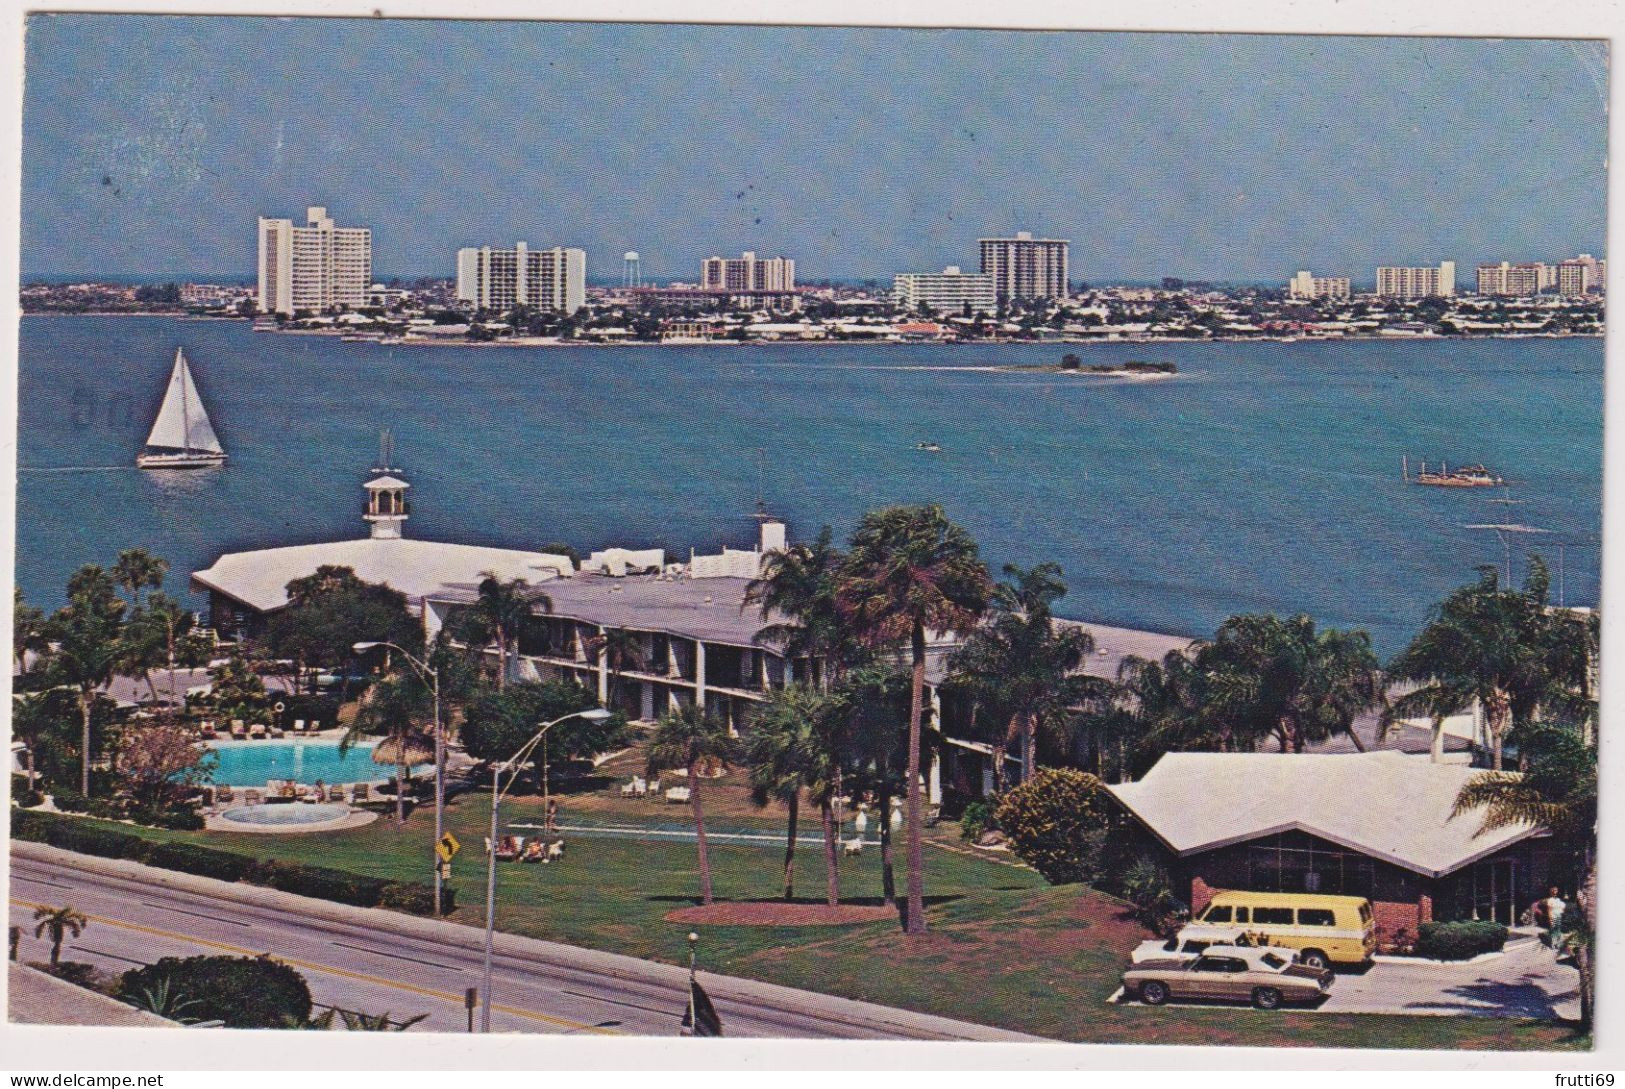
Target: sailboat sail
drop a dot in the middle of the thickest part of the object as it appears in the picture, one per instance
(183, 423)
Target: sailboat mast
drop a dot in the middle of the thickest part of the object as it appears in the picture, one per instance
(186, 410)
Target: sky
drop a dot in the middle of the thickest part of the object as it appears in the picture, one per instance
(152, 144)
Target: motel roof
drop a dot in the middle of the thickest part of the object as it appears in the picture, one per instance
(259, 579)
(711, 609)
(1384, 804)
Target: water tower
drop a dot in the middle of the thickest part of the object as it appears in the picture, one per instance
(633, 270)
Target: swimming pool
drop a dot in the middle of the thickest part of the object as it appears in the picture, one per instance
(252, 763)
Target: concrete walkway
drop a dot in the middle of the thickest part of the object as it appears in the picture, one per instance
(1525, 981)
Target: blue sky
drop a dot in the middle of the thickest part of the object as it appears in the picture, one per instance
(150, 144)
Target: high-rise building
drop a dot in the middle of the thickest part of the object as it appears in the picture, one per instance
(1308, 286)
(315, 268)
(1417, 283)
(748, 273)
(1025, 267)
(1513, 281)
(947, 292)
(493, 279)
(1582, 275)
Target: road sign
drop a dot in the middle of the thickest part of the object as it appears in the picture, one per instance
(448, 847)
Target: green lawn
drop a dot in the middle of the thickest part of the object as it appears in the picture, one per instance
(1004, 949)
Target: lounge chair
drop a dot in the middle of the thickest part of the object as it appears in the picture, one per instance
(335, 793)
(257, 730)
(252, 797)
(225, 795)
(298, 725)
(276, 731)
(677, 795)
(359, 793)
(206, 730)
(852, 846)
(238, 730)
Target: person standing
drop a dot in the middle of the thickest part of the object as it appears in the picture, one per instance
(1554, 907)
(552, 817)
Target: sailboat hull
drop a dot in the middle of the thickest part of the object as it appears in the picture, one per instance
(179, 461)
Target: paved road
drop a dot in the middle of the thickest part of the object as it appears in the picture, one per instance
(377, 962)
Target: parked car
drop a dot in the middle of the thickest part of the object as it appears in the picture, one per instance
(1324, 929)
(1265, 977)
(1188, 944)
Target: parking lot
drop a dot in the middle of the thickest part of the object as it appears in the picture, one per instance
(1524, 981)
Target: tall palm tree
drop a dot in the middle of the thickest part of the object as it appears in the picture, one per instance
(1020, 662)
(910, 571)
(1557, 793)
(1485, 643)
(688, 738)
(796, 593)
(86, 641)
(136, 569)
(774, 749)
(59, 923)
(177, 623)
(501, 611)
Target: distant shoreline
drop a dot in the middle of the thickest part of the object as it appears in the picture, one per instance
(540, 342)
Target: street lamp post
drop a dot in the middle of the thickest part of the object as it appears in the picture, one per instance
(595, 714)
(432, 675)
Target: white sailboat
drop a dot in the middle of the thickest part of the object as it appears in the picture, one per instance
(181, 437)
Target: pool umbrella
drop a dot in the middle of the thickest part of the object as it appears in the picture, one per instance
(388, 751)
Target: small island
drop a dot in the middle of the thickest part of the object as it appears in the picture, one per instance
(1071, 364)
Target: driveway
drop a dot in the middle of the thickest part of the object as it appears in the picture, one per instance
(1525, 981)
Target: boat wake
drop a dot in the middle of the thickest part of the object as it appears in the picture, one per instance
(73, 468)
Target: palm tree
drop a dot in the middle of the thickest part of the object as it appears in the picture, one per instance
(775, 750)
(874, 701)
(688, 738)
(59, 923)
(796, 592)
(911, 571)
(1020, 662)
(395, 707)
(1488, 644)
(1557, 793)
(177, 623)
(86, 644)
(501, 611)
(619, 648)
(28, 630)
(136, 569)
(1268, 677)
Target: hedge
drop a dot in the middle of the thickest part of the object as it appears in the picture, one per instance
(326, 884)
(204, 861)
(340, 886)
(1461, 940)
(243, 992)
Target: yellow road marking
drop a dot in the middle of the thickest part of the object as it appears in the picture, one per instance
(427, 992)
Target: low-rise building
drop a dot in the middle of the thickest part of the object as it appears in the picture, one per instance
(1379, 824)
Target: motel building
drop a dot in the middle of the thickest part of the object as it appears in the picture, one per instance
(1374, 824)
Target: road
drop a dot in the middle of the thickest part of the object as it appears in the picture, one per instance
(374, 963)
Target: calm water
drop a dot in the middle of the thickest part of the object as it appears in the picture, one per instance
(252, 763)
(1263, 477)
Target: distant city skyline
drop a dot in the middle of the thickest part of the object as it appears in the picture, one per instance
(152, 145)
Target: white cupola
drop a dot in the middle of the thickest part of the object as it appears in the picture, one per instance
(387, 507)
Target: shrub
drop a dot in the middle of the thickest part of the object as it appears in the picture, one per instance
(243, 992)
(976, 819)
(71, 835)
(180, 818)
(27, 799)
(416, 898)
(319, 881)
(69, 801)
(1461, 940)
(202, 861)
(1055, 822)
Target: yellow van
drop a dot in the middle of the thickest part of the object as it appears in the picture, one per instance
(1324, 930)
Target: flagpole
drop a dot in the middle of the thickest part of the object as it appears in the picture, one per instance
(693, 1013)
